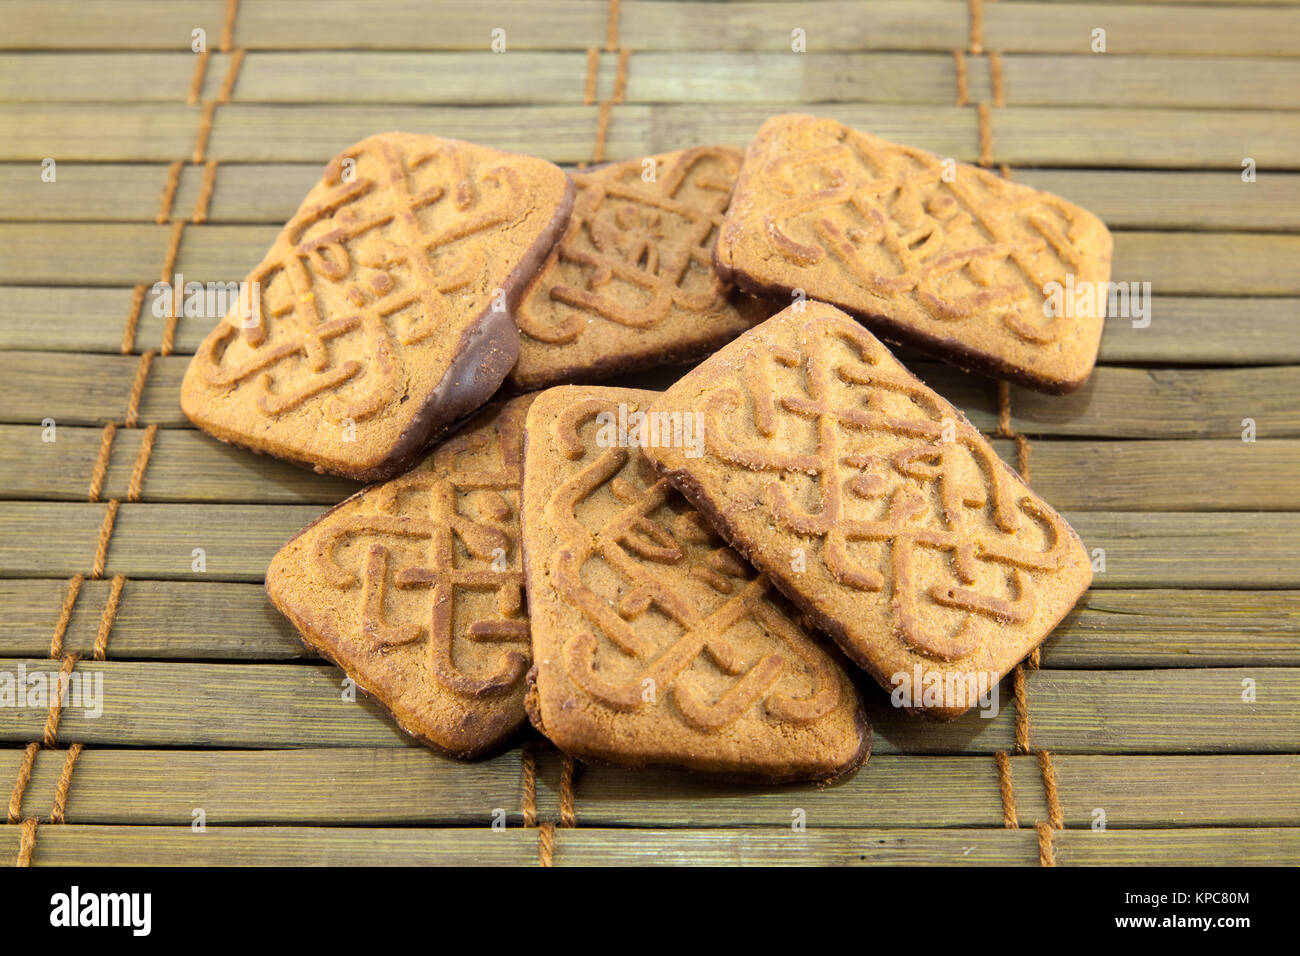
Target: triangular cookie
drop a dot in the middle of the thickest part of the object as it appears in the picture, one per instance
(415, 588)
(383, 312)
(653, 642)
(874, 505)
(984, 273)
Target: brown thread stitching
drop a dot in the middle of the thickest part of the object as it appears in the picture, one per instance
(1046, 853)
(205, 129)
(196, 81)
(1048, 772)
(986, 135)
(620, 78)
(1004, 410)
(976, 27)
(1022, 709)
(232, 74)
(20, 785)
(65, 614)
(546, 845)
(51, 735)
(963, 91)
(28, 845)
(1022, 457)
(593, 69)
(105, 532)
(65, 784)
(620, 85)
(173, 247)
(568, 817)
(137, 389)
(205, 192)
(101, 461)
(108, 616)
(133, 319)
(228, 26)
(530, 786)
(995, 67)
(169, 193)
(141, 461)
(611, 27)
(602, 129)
(1010, 820)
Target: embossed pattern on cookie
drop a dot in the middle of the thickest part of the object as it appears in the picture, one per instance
(875, 506)
(653, 642)
(931, 253)
(415, 588)
(632, 282)
(382, 313)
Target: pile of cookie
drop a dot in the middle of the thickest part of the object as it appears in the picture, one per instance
(696, 577)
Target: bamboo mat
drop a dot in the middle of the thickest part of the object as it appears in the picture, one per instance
(1161, 723)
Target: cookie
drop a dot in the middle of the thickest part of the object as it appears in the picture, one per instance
(950, 259)
(632, 283)
(414, 587)
(382, 313)
(875, 506)
(653, 642)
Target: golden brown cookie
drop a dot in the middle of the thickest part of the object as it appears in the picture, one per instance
(382, 313)
(415, 588)
(653, 642)
(632, 283)
(938, 255)
(874, 505)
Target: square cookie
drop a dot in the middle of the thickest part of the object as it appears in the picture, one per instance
(632, 284)
(415, 588)
(382, 313)
(947, 258)
(653, 642)
(875, 506)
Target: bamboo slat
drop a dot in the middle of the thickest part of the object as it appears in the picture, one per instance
(72, 845)
(1067, 28)
(389, 786)
(78, 389)
(923, 792)
(1184, 330)
(1099, 137)
(1163, 549)
(269, 706)
(187, 466)
(158, 620)
(141, 77)
(464, 24)
(478, 77)
(367, 786)
(270, 193)
(1166, 403)
(184, 465)
(1177, 628)
(131, 25)
(1117, 628)
(209, 620)
(1210, 263)
(902, 847)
